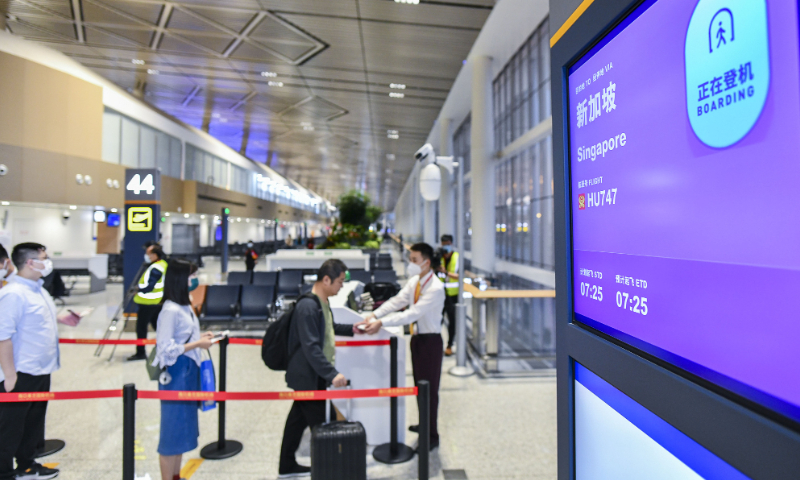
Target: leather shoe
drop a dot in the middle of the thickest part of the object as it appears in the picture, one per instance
(433, 445)
(448, 352)
(414, 428)
(135, 357)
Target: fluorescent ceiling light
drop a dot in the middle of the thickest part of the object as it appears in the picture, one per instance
(113, 210)
(73, 207)
(398, 86)
(275, 84)
(152, 71)
(409, 2)
(393, 136)
(136, 61)
(5, 204)
(396, 95)
(269, 74)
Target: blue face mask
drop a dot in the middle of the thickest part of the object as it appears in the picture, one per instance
(447, 248)
(193, 284)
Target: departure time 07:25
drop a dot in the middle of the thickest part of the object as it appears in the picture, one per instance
(633, 303)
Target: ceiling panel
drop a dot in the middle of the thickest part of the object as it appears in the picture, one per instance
(302, 85)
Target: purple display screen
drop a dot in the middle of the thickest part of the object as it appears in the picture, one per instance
(684, 169)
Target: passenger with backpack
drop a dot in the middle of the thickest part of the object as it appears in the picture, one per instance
(303, 343)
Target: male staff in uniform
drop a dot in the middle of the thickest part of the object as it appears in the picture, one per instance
(28, 355)
(448, 273)
(151, 291)
(424, 297)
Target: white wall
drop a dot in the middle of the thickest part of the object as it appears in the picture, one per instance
(46, 225)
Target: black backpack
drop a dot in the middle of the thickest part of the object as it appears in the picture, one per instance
(275, 346)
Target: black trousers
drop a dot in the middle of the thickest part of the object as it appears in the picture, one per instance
(426, 360)
(21, 425)
(304, 414)
(450, 311)
(146, 315)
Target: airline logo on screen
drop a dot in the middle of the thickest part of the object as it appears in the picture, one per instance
(727, 69)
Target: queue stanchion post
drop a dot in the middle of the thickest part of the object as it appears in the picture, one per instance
(424, 448)
(128, 430)
(223, 448)
(49, 447)
(393, 452)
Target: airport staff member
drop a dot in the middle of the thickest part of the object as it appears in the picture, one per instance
(28, 355)
(424, 297)
(151, 292)
(7, 270)
(448, 273)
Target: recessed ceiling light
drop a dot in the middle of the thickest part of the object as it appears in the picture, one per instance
(275, 84)
(166, 214)
(392, 132)
(409, 2)
(73, 207)
(152, 71)
(202, 217)
(398, 86)
(185, 215)
(269, 74)
(397, 95)
(114, 210)
(390, 157)
(393, 136)
(5, 204)
(136, 61)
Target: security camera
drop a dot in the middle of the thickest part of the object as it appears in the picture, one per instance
(3, 169)
(65, 215)
(425, 153)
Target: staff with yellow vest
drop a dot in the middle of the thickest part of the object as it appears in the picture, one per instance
(448, 273)
(151, 292)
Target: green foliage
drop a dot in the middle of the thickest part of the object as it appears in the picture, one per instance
(356, 214)
(373, 213)
(372, 244)
(353, 207)
(342, 246)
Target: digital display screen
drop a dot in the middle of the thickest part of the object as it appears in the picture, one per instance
(617, 438)
(684, 131)
(112, 219)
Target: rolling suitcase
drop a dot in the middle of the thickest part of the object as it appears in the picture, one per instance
(339, 449)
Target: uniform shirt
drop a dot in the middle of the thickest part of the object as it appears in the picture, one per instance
(177, 326)
(28, 318)
(427, 312)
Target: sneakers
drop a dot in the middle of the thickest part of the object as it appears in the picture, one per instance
(448, 352)
(37, 472)
(135, 357)
(296, 472)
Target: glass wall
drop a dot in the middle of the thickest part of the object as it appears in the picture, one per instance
(524, 225)
(461, 150)
(135, 145)
(521, 92)
(527, 325)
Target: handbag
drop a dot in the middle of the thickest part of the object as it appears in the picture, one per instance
(208, 381)
(153, 371)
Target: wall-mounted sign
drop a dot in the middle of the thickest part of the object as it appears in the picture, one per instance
(140, 219)
(142, 184)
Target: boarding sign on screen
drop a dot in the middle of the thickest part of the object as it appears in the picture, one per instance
(684, 129)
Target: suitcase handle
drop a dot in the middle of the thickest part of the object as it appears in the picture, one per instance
(329, 402)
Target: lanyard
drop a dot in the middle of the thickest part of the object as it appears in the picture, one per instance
(420, 287)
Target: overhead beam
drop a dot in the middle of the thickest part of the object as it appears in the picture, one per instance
(162, 26)
(77, 18)
(244, 33)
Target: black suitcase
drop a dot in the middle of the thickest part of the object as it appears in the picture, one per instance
(339, 450)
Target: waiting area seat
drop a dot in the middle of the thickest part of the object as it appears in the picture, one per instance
(362, 276)
(384, 276)
(265, 278)
(257, 302)
(289, 282)
(221, 303)
(240, 278)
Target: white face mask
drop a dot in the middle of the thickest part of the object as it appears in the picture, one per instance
(146, 258)
(413, 269)
(48, 267)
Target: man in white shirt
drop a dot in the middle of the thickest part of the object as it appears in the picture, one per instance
(28, 355)
(7, 269)
(424, 296)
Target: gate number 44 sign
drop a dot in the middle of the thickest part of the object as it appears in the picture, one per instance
(136, 185)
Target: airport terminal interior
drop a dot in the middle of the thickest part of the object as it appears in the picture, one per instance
(601, 189)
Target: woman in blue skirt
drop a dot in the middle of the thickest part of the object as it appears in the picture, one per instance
(178, 344)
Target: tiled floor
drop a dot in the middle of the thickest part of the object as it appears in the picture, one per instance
(492, 429)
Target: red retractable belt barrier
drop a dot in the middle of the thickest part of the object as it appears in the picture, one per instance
(218, 396)
(301, 395)
(97, 341)
(47, 396)
(365, 343)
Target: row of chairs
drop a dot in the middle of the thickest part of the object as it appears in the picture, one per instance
(245, 303)
(288, 281)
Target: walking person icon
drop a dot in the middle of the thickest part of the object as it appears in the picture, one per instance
(720, 35)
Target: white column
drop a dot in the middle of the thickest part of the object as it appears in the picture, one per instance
(482, 153)
(447, 210)
(429, 225)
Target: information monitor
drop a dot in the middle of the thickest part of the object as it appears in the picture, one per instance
(684, 143)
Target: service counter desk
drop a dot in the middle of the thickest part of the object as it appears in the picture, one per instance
(367, 368)
(313, 259)
(93, 266)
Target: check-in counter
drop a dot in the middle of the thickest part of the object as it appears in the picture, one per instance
(93, 266)
(367, 368)
(313, 259)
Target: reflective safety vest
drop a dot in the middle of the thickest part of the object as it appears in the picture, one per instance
(153, 297)
(450, 283)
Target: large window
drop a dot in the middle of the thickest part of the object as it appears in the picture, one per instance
(135, 145)
(461, 150)
(521, 92)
